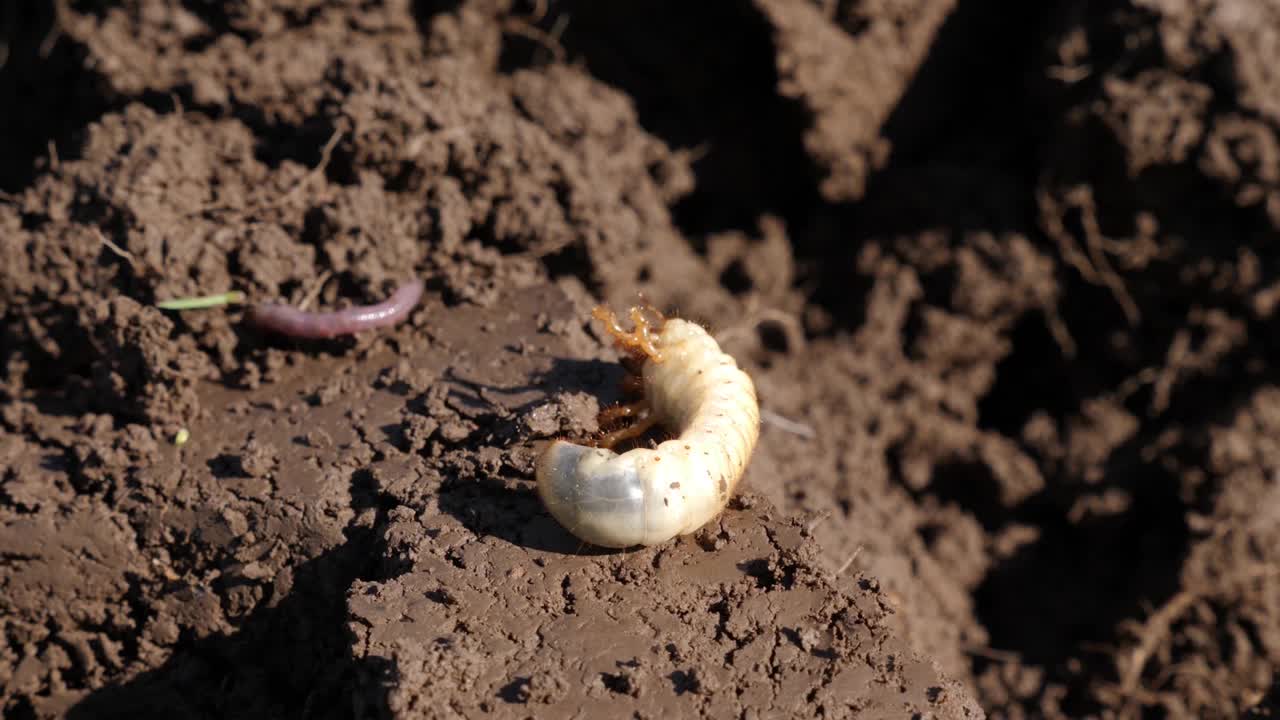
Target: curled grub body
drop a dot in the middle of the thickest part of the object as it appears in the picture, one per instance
(648, 496)
(289, 320)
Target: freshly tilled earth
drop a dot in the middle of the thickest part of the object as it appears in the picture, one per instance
(1005, 281)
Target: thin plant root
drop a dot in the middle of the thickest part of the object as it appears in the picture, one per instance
(315, 290)
(1158, 629)
(785, 424)
(757, 316)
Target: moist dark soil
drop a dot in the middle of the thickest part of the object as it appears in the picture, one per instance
(1005, 274)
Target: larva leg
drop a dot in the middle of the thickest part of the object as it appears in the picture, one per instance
(643, 423)
(639, 341)
(633, 385)
(611, 415)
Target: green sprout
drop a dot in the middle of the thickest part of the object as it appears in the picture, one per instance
(233, 297)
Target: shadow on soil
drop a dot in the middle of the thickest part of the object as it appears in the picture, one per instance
(289, 658)
(718, 99)
(506, 504)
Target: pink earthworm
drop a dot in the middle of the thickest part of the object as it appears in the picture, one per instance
(289, 320)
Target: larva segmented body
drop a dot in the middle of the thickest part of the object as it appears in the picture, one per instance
(648, 496)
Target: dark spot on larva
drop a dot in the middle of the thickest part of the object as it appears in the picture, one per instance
(657, 459)
(675, 486)
(724, 486)
(687, 447)
(665, 503)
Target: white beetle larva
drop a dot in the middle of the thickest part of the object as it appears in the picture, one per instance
(648, 496)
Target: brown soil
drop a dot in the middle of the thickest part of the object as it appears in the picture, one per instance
(1001, 272)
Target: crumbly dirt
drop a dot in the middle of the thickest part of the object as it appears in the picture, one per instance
(1004, 277)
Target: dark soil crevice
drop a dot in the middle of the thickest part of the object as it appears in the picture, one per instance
(981, 59)
(49, 93)
(1059, 600)
(955, 164)
(717, 99)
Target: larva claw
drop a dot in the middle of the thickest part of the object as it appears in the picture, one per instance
(644, 421)
(611, 415)
(640, 341)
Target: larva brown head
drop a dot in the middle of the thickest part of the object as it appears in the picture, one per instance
(640, 342)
